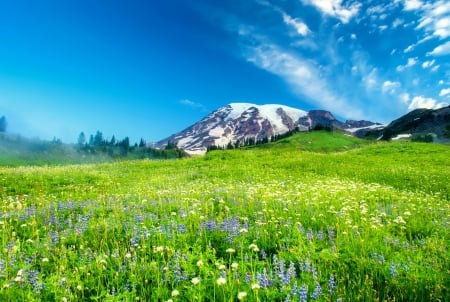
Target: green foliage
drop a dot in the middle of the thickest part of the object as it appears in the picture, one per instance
(19, 151)
(269, 223)
(427, 138)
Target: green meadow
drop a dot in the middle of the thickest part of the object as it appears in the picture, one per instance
(313, 217)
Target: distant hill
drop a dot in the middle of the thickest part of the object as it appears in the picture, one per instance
(419, 124)
(317, 141)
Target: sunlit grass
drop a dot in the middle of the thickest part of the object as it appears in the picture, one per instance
(370, 224)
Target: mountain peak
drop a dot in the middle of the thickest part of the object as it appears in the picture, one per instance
(237, 122)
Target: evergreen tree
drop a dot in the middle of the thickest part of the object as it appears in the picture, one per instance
(3, 124)
(142, 143)
(98, 139)
(81, 139)
(113, 141)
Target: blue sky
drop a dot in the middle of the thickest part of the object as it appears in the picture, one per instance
(151, 68)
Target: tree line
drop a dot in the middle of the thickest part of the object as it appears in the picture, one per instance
(119, 148)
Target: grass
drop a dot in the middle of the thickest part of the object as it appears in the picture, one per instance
(274, 223)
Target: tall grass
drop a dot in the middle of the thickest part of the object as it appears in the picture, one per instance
(272, 224)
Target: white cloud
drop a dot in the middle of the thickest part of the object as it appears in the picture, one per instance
(435, 19)
(444, 92)
(336, 9)
(409, 48)
(428, 64)
(404, 98)
(412, 4)
(302, 75)
(441, 50)
(301, 28)
(382, 27)
(397, 22)
(411, 62)
(423, 102)
(435, 68)
(192, 104)
(371, 79)
(390, 87)
(353, 36)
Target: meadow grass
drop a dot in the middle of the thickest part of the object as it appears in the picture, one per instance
(263, 224)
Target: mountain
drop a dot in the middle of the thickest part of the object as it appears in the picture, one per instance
(431, 124)
(242, 121)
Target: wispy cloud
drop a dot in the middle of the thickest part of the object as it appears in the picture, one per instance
(336, 9)
(423, 102)
(192, 104)
(441, 50)
(301, 27)
(303, 76)
(390, 87)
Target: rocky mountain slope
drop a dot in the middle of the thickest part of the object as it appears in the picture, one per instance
(241, 121)
(419, 123)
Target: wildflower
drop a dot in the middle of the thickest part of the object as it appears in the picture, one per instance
(195, 281)
(263, 278)
(234, 265)
(221, 281)
(255, 286)
(44, 260)
(393, 270)
(317, 292)
(331, 284)
(242, 295)
(159, 249)
(79, 287)
(303, 293)
(253, 247)
(230, 250)
(175, 293)
(199, 263)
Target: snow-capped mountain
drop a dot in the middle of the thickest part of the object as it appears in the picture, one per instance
(241, 121)
(236, 121)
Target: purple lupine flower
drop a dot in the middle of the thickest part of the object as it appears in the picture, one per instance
(303, 293)
(2, 268)
(331, 284)
(209, 225)
(320, 235)
(33, 280)
(317, 292)
(263, 279)
(331, 233)
(231, 226)
(294, 289)
(54, 237)
(247, 278)
(393, 270)
(309, 235)
(181, 228)
(263, 254)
